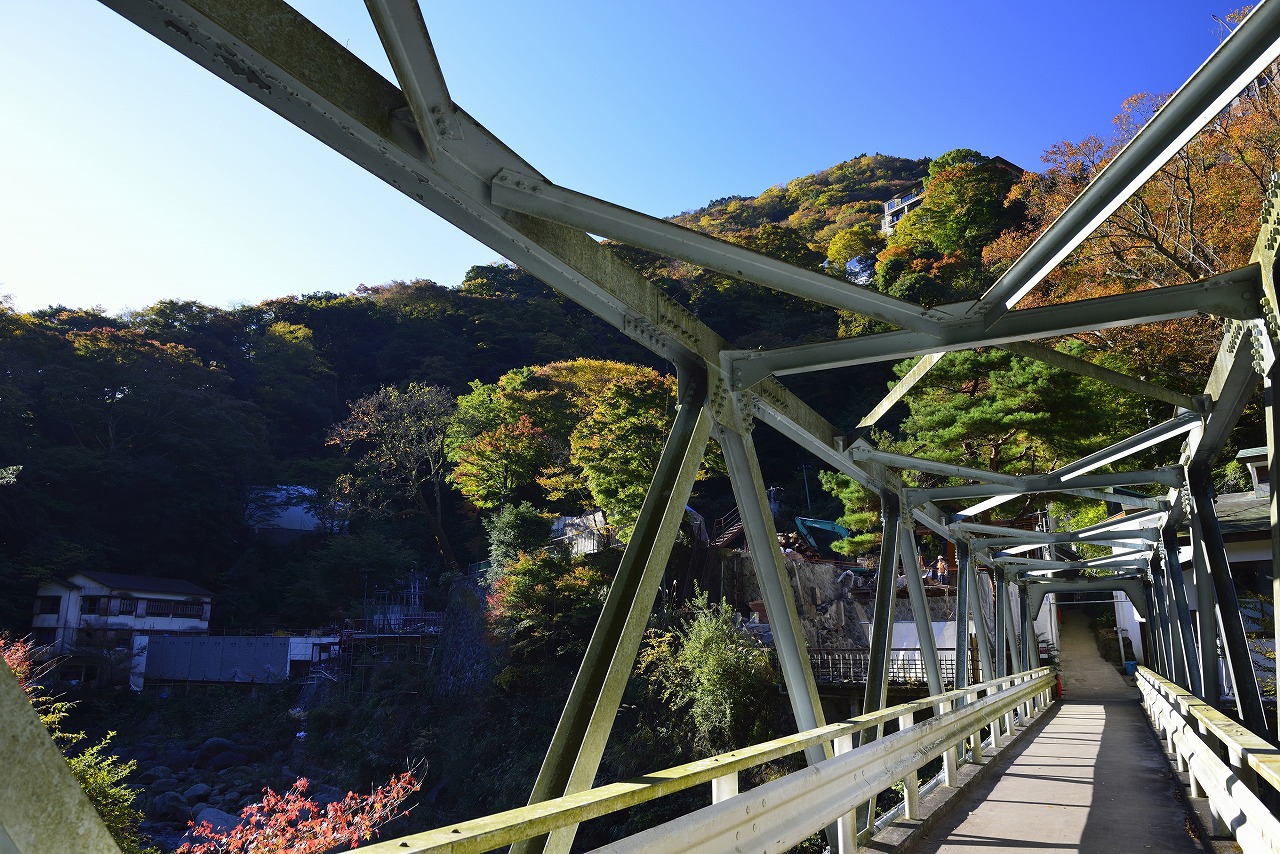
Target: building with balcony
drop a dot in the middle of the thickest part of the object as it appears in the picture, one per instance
(897, 207)
(89, 620)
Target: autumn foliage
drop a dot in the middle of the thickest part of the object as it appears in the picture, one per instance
(292, 823)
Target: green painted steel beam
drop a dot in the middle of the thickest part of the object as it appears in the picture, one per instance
(1234, 294)
(587, 720)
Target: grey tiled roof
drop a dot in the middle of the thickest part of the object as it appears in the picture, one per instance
(147, 583)
(1243, 511)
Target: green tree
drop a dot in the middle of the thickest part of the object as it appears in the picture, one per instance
(546, 603)
(618, 445)
(997, 411)
(861, 516)
(523, 437)
(401, 437)
(710, 670)
(512, 529)
(290, 385)
(498, 464)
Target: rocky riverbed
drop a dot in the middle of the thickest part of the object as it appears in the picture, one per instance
(210, 780)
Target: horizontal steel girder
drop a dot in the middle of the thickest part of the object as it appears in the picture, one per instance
(1134, 588)
(1234, 294)
(1169, 476)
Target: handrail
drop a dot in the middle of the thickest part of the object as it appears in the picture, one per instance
(1198, 735)
(490, 832)
(1260, 754)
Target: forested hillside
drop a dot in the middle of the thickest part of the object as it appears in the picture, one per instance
(141, 437)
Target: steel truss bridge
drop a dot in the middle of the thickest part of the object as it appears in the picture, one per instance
(414, 137)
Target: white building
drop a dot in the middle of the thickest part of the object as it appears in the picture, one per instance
(90, 619)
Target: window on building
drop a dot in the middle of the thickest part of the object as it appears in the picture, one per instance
(48, 604)
(191, 610)
(159, 608)
(90, 604)
(128, 607)
(44, 636)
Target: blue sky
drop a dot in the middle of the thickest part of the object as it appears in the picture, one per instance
(130, 175)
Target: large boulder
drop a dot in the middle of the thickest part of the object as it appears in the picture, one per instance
(198, 792)
(227, 759)
(211, 748)
(180, 760)
(155, 772)
(170, 806)
(220, 820)
(164, 784)
(138, 753)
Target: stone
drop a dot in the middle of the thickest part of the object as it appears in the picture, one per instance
(210, 749)
(220, 820)
(227, 759)
(170, 806)
(198, 791)
(165, 784)
(155, 772)
(181, 760)
(138, 753)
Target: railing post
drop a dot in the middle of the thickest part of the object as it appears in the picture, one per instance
(911, 782)
(1008, 716)
(723, 788)
(950, 770)
(846, 826)
(1197, 790)
(1240, 765)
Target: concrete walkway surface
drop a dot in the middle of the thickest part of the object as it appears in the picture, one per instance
(1094, 779)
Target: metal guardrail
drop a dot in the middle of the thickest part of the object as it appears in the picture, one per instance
(1199, 736)
(850, 666)
(780, 813)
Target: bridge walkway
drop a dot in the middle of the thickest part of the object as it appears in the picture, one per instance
(1093, 779)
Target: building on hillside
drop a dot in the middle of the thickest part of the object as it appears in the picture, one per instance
(286, 514)
(898, 207)
(241, 659)
(1245, 520)
(89, 621)
(582, 535)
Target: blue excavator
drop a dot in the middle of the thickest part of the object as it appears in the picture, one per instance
(828, 533)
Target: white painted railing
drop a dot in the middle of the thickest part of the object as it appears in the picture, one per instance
(1227, 764)
(781, 813)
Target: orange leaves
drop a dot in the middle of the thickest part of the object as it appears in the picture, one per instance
(292, 823)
